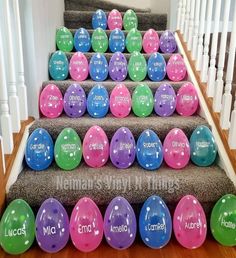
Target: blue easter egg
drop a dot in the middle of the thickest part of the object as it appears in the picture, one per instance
(98, 101)
(99, 20)
(155, 223)
(117, 41)
(82, 41)
(156, 67)
(98, 67)
(58, 66)
(39, 150)
(149, 150)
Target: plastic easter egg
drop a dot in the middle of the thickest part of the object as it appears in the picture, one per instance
(150, 41)
(137, 67)
(58, 66)
(52, 226)
(82, 40)
(223, 220)
(95, 147)
(120, 224)
(114, 20)
(98, 67)
(51, 101)
(167, 42)
(39, 150)
(17, 227)
(86, 225)
(176, 149)
(99, 41)
(142, 101)
(75, 101)
(187, 100)
(176, 69)
(130, 20)
(68, 149)
(165, 100)
(149, 150)
(155, 224)
(98, 101)
(78, 67)
(117, 41)
(134, 41)
(189, 223)
(156, 67)
(99, 20)
(203, 146)
(122, 148)
(118, 67)
(120, 101)
(64, 39)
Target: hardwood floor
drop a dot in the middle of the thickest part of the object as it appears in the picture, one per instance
(173, 250)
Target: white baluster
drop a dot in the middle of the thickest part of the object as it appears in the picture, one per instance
(227, 97)
(220, 72)
(22, 91)
(186, 24)
(11, 79)
(5, 117)
(183, 16)
(212, 69)
(205, 58)
(179, 14)
(200, 36)
(232, 129)
(196, 28)
(191, 25)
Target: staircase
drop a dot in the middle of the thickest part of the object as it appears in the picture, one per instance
(208, 184)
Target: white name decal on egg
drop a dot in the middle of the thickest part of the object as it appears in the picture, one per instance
(228, 224)
(117, 37)
(132, 18)
(119, 63)
(157, 64)
(98, 97)
(138, 64)
(84, 228)
(178, 62)
(119, 229)
(52, 97)
(192, 225)
(167, 97)
(96, 146)
(203, 144)
(122, 99)
(115, 18)
(65, 36)
(49, 231)
(68, 147)
(78, 62)
(58, 62)
(187, 97)
(125, 146)
(98, 62)
(82, 36)
(74, 98)
(100, 37)
(142, 99)
(178, 144)
(38, 148)
(134, 38)
(15, 232)
(156, 227)
(150, 144)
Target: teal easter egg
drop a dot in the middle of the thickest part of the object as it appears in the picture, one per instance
(203, 146)
(58, 66)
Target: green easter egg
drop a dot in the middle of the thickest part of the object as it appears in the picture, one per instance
(137, 67)
(64, 39)
(130, 20)
(99, 41)
(134, 41)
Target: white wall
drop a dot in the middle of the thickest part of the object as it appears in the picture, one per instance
(39, 21)
(133, 3)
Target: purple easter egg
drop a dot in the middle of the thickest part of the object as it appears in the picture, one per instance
(75, 101)
(118, 67)
(122, 148)
(167, 42)
(165, 100)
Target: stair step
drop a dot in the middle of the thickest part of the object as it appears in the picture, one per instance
(208, 184)
(109, 84)
(161, 125)
(93, 5)
(77, 19)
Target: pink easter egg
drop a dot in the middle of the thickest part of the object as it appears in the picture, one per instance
(78, 67)
(187, 100)
(176, 69)
(51, 101)
(150, 41)
(95, 147)
(189, 223)
(114, 20)
(176, 149)
(120, 101)
(86, 225)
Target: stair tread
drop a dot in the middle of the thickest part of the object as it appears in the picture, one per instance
(161, 125)
(208, 184)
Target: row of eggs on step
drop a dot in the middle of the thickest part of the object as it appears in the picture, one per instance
(176, 150)
(117, 42)
(137, 67)
(86, 226)
(164, 102)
